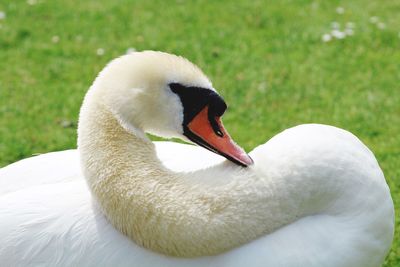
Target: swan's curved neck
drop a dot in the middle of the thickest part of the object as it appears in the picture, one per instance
(170, 213)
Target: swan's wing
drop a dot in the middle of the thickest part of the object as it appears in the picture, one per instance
(47, 168)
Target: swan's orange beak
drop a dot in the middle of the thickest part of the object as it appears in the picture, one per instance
(215, 138)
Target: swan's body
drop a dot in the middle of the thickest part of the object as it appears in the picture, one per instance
(315, 195)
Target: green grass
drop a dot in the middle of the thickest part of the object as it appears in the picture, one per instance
(266, 59)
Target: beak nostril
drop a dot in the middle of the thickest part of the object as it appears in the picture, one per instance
(215, 125)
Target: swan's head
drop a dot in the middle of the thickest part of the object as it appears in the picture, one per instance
(168, 96)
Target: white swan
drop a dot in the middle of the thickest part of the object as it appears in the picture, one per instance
(315, 195)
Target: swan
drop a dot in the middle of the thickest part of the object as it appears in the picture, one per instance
(313, 195)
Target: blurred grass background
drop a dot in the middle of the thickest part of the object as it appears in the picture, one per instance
(268, 60)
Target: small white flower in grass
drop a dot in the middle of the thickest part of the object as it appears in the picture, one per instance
(55, 39)
(340, 10)
(381, 26)
(314, 5)
(350, 25)
(31, 2)
(100, 51)
(335, 25)
(338, 34)
(326, 37)
(262, 87)
(373, 19)
(349, 31)
(2, 15)
(130, 50)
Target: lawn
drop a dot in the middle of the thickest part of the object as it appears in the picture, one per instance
(270, 61)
